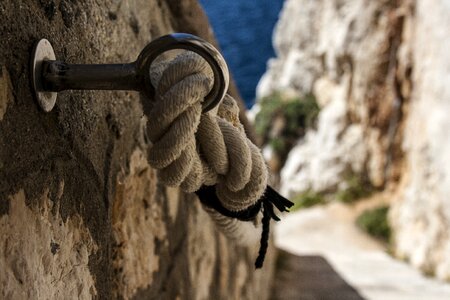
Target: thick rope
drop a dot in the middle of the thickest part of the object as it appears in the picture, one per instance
(194, 150)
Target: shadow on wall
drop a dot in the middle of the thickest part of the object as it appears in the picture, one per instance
(309, 277)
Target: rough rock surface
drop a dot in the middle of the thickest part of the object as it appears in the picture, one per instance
(81, 212)
(40, 249)
(341, 52)
(421, 216)
(380, 72)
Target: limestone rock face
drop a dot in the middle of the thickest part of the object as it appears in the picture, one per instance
(82, 214)
(344, 52)
(421, 215)
(380, 72)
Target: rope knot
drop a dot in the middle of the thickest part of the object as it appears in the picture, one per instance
(199, 152)
(190, 149)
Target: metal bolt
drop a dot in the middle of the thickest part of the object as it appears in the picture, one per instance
(50, 76)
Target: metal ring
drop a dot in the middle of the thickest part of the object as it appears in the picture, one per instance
(192, 43)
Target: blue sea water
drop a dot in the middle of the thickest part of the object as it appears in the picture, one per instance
(244, 31)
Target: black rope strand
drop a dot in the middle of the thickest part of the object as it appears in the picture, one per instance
(279, 201)
(208, 197)
(264, 243)
(270, 198)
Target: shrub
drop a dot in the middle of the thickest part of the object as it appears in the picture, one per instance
(375, 223)
(298, 113)
(270, 105)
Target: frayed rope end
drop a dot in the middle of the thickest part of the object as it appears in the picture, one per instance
(270, 198)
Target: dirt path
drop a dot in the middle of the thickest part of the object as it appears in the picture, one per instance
(362, 262)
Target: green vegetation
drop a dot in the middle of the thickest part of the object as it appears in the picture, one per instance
(375, 223)
(356, 189)
(294, 116)
(307, 199)
(428, 271)
(278, 144)
(270, 105)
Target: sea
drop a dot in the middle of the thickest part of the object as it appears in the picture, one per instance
(244, 30)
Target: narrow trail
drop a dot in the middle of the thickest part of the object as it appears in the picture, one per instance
(358, 266)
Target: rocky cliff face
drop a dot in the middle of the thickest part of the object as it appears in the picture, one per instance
(380, 72)
(82, 214)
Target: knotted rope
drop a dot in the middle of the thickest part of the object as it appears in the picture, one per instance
(207, 153)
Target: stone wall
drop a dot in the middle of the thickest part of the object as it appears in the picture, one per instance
(380, 72)
(81, 212)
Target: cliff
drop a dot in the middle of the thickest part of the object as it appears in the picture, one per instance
(82, 214)
(379, 71)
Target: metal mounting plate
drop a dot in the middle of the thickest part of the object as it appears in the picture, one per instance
(42, 51)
